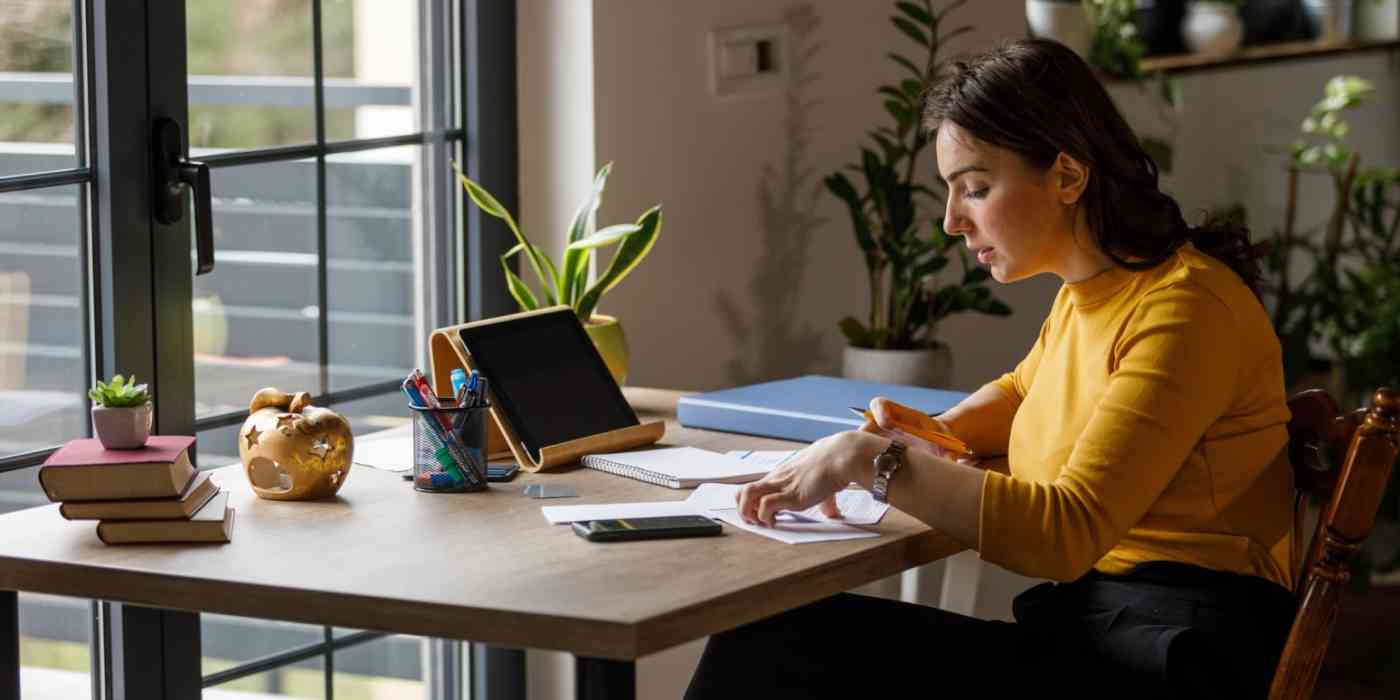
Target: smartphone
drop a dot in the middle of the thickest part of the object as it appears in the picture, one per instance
(501, 472)
(646, 528)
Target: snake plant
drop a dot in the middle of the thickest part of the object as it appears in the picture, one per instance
(567, 283)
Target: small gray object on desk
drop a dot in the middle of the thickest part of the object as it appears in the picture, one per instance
(549, 491)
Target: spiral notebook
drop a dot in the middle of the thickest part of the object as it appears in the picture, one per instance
(677, 467)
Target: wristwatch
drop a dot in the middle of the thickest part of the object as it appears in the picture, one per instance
(886, 464)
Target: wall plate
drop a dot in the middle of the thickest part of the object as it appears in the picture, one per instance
(749, 60)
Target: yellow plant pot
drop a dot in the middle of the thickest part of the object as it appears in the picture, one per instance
(607, 336)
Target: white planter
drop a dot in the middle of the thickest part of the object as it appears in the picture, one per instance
(1377, 20)
(1212, 28)
(1062, 21)
(122, 428)
(931, 367)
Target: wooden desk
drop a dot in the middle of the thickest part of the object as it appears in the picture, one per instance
(485, 567)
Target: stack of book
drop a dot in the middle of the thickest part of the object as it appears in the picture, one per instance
(150, 494)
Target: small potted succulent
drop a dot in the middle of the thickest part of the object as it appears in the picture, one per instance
(121, 413)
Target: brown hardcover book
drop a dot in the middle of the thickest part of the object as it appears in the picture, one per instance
(199, 492)
(83, 470)
(212, 523)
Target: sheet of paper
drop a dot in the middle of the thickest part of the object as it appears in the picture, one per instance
(557, 515)
(390, 450)
(857, 506)
(768, 458)
(795, 532)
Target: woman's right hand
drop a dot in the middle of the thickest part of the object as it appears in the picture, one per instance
(884, 411)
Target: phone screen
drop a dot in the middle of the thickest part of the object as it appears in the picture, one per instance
(647, 528)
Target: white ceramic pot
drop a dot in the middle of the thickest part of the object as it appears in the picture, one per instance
(122, 428)
(931, 367)
(1377, 20)
(1064, 22)
(1212, 28)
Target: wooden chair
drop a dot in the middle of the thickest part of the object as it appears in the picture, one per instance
(1345, 460)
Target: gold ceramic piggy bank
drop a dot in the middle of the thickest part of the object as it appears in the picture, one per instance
(291, 450)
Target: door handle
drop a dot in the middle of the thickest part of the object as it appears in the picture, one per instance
(174, 175)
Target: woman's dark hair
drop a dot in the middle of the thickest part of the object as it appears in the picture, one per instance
(1039, 99)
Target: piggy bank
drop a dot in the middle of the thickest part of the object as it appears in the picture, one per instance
(291, 450)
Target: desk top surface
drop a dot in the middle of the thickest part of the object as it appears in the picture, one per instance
(485, 567)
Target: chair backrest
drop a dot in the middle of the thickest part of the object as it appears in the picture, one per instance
(1344, 460)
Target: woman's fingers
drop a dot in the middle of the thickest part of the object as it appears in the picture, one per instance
(881, 408)
(770, 504)
(829, 507)
(750, 495)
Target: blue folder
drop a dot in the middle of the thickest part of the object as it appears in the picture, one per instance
(805, 409)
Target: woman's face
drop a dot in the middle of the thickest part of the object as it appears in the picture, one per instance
(1015, 219)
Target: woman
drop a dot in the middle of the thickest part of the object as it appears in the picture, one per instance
(1143, 431)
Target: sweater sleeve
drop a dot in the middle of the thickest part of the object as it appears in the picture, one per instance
(1017, 382)
(1173, 372)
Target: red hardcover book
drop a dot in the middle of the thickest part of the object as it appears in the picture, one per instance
(83, 470)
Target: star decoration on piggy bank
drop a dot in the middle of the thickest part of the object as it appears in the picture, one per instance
(291, 450)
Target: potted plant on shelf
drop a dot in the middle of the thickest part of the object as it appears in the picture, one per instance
(567, 283)
(903, 251)
(1213, 27)
(121, 413)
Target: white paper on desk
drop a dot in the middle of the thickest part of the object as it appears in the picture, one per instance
(558, 515)
(390, 450)
(857, 506)
(794, 532)
(768, 458)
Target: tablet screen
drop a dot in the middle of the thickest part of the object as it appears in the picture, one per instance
(548, 378)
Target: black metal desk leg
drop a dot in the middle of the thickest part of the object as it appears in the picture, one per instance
(497, 673)
(9, 644)
(604, 679)
(155, 653)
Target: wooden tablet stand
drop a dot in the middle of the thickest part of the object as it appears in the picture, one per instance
(446, 353)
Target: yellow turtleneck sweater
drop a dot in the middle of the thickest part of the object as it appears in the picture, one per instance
(1148, 416)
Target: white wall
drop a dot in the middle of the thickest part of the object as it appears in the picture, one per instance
(707, 160)
(555, 103)
(704, 158)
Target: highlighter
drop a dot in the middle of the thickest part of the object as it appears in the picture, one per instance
(920, 426)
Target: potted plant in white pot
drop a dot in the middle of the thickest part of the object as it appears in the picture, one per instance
(121, 413)
(903, 252)
(567, 283)
(1213, 27)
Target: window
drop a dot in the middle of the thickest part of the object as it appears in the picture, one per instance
(329, 127)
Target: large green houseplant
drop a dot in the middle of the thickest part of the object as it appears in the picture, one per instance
(1347, 299)
(904, 251)
(567, 282)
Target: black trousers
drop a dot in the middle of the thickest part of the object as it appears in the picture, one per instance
(1164, 630)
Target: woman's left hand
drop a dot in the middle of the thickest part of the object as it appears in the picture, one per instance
(812, 476)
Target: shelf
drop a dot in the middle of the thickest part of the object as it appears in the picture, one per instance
(1266, 53)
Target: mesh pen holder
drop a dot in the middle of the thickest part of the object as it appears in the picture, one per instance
(449, 448)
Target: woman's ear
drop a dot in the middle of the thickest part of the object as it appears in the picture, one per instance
(1071, 177)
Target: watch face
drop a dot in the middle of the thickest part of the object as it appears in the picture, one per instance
(886, 462)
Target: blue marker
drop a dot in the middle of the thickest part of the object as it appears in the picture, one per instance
(459, 380)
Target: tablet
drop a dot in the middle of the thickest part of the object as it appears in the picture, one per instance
(547, 378)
